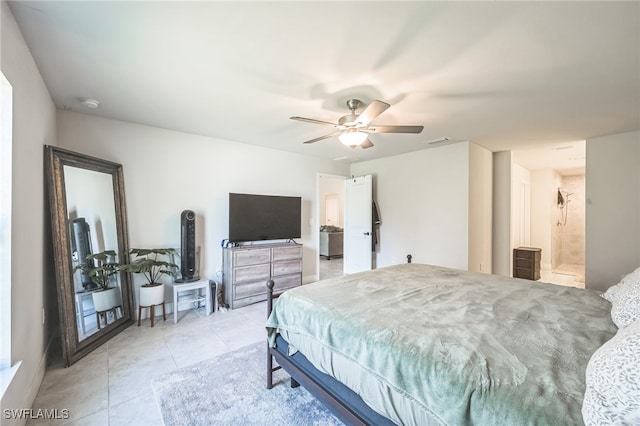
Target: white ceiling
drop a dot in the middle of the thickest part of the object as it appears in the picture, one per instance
(505, 75)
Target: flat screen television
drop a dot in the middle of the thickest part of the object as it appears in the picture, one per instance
(264, 217)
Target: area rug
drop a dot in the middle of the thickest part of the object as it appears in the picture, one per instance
(231, 390)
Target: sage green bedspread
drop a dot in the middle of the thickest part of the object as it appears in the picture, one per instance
(431, 345)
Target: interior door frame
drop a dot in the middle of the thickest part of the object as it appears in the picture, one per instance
(319, 204)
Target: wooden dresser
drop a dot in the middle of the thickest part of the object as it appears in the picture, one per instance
(246, 269)
(526, 263)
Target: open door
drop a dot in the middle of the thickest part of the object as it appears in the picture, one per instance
(358, 224)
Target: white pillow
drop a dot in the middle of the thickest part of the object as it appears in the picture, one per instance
(612, 293)
(629, 281)
(625, 299)
(627, 309)
(612, 395)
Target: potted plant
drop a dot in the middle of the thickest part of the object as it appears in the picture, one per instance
(100, 267)
(151, 264)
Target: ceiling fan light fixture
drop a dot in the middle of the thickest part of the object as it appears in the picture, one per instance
(352, 137)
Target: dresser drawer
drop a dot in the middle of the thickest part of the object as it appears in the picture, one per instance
(251, 257)
(285, 268)
(527, 263)
(249, 289)
(528, 274)
(251, 273)
(282, 283)
(286, 253)
(526, 253)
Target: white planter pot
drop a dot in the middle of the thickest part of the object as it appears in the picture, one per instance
(150, 296)
(106, 299)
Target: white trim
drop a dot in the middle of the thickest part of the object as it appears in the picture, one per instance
(7, 371)
(6, 375)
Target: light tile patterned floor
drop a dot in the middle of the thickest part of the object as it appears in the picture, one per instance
(330, 268)
(111, 386)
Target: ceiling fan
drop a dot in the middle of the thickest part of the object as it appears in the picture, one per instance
(353, 129)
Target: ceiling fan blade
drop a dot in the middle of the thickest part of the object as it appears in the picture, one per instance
(374, 109)
(311, 120)
(366, 144)
(330, 135)
(395, 129)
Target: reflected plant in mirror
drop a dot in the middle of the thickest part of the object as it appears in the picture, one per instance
(101, 268)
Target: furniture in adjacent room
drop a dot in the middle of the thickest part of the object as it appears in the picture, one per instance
(526, 263)
(331, 244)
(247, 268)
(195, 296)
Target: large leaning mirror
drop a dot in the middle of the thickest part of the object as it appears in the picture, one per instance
(89, 227)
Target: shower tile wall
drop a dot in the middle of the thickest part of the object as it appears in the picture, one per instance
(572, 233)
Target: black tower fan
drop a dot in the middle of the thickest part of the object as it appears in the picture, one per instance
(188, 260)
(81, 242)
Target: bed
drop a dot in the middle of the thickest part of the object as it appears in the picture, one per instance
(421, 344)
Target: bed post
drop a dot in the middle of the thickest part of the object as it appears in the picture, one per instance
(270, 368)
(270, 284)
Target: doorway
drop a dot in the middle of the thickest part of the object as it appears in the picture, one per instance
(331, 201)
(568, 251)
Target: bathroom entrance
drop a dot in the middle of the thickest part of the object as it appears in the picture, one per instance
(568, 228)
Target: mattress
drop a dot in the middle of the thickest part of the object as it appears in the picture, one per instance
(429, 345)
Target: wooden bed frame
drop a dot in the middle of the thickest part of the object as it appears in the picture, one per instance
(340, 406)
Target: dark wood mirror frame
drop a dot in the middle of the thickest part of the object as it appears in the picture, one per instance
(56, 158)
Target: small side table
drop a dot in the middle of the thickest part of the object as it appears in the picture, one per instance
(81, 312)
(202, 284)
(526, 263)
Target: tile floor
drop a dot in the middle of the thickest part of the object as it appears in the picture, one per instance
(569, 275)
(330, 268)
(111, 387)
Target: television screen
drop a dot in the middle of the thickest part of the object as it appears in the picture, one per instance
(264, 217)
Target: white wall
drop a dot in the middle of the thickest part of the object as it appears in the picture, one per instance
(543, 213)
(423, 200)
(480, 209)
(612, 208)
(333, 186)
(32, 277)
(501, 229)
(167, 172)
(520, 207)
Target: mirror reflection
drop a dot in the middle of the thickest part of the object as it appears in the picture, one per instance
(90, 240)
(93, 243)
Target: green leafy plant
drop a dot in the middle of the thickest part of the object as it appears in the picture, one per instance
(100, 267)
(149, 263)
